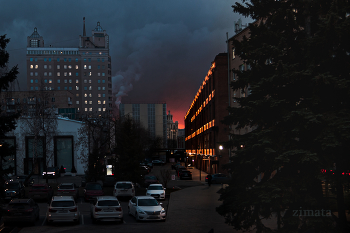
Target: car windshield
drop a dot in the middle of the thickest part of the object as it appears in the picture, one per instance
(148, 202)
(18, 206)
(11, 186)
(62, 203)
(124, 186)
(93, 187)
(108, 203)
(150, 177)
(155, 187)
(66, 186)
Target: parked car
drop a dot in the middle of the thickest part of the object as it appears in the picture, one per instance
(156, 190)
(13, 189)
(41, 191)
(52, 172)
(92, 190)
(21, 210)
(124, 189)
(146, 208)
(144, 170)
(67, 189)
(218, 178)
(149, 179)
(62, 209)
(109, 181)
(179, 169)
(185, 174)
(27, 181)
(158, 162)
(106, 208)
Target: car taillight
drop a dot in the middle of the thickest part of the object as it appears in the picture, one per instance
(118, 209)
(73, 210)
(97, 209)
(52, 210)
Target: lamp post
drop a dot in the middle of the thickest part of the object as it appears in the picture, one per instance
(220, 149)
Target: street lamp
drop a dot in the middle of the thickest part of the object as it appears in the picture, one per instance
(220, 149)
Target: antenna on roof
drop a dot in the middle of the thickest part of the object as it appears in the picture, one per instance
(239, 26)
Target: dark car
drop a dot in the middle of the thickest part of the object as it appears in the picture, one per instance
(179, 169)
(21, 210)
(92, 190)
(13, 189)
(218, 178)
(148, 179)
(27, 180)
(109, 181)
(52, 172)
(41, 191)
(185, 174)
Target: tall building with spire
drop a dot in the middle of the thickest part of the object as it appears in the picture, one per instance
(85, 70)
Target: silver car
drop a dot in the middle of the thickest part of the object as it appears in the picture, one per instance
(146, 208)
(62, 209)
(106, 208)
(124, 189)
(156, 190)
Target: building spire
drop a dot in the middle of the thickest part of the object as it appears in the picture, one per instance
(84, 32)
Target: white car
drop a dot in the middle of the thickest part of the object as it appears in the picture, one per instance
(146, 208)
(156, 190)
(62, 209)
(106, 208)
(124, 189)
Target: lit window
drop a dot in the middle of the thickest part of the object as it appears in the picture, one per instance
(31, 66)
(85, 81)
(233, 53)
(65, 73)
(77, 81)
(45, 73)
(104, 109)
(90, 109)
(104, 102)
(103, 88)
(69, 73)
(76, 67)
(99, 109)
(65, 66)
(89, 80)
(89, 67)
(58, 74)
(76, 88)
(85, 101)
(99, 95)
(36, 66)
(90, 73)
(90, 88)
(90, 95)
(70, 67)
(70, 80)
(85, 67)
(85, 109)
(90, 102)
(98, 74)
(50, 80)
(99, 102)
(85, 95)
(58, 66)
(45, 66)
(77, 102)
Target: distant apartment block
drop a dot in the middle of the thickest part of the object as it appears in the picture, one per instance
(172, 131)
(152, 116)
(85, 70)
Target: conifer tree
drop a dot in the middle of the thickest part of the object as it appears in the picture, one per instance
(7, 122)
(298, 52)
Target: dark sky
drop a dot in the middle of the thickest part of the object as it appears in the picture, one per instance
(161, 50)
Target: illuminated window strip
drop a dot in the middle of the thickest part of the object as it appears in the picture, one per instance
(201, 130)
(203, 105)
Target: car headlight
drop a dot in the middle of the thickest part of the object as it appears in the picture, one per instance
(141, 211)
(162, 211)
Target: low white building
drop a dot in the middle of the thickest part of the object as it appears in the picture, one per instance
(62, 150)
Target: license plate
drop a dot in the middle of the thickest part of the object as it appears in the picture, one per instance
(108, 210)
(153, 217)
(62, 211)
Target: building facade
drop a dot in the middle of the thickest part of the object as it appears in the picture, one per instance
(61, 150)
(84, 70)
(172, 131)
(152, 116)
(203, 130)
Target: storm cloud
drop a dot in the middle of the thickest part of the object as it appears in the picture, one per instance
(161, 50)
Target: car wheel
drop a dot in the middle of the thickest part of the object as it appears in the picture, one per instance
(137, 217)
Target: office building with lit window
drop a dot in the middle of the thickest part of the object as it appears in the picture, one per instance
(203, 128)
(85, 70)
